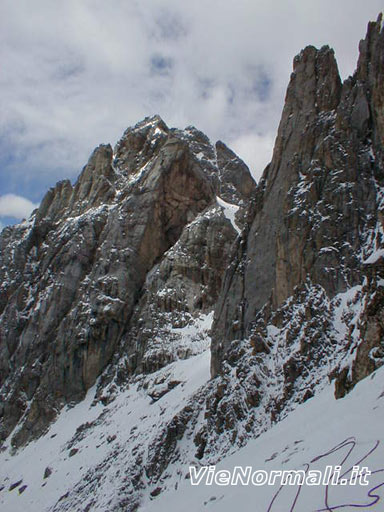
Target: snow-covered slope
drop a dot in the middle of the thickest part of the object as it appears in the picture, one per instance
(90, 439)
(319, 433)
(90, 449)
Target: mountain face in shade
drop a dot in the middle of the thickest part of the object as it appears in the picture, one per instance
(165, 260)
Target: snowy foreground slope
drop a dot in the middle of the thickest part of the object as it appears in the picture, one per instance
(350, 428)
(321, 432)
(96, 435)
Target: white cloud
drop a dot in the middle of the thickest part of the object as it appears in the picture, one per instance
(15, 206)
(254, 149)
(75, 74)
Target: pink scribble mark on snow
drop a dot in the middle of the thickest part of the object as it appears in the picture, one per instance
(351, 444)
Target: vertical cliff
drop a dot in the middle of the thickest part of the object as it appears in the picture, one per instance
(318, 212)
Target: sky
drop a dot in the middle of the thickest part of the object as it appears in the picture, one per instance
(77, 73)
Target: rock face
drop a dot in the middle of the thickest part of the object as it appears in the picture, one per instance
(86, 273)
(318, 212)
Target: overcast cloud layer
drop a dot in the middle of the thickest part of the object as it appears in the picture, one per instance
(76, 73)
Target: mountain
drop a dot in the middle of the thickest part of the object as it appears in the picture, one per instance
(165, 310)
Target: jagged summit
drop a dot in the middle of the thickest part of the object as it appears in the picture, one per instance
(110, 174)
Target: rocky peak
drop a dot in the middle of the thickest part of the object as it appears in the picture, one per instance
(94, 187)
(370, 52)
(318, 202)
(370, 71)
(315, 82)
(235, 180)
(94, 256)
(110, 173)
(314, 88)
(139, 144)
(95, 184)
